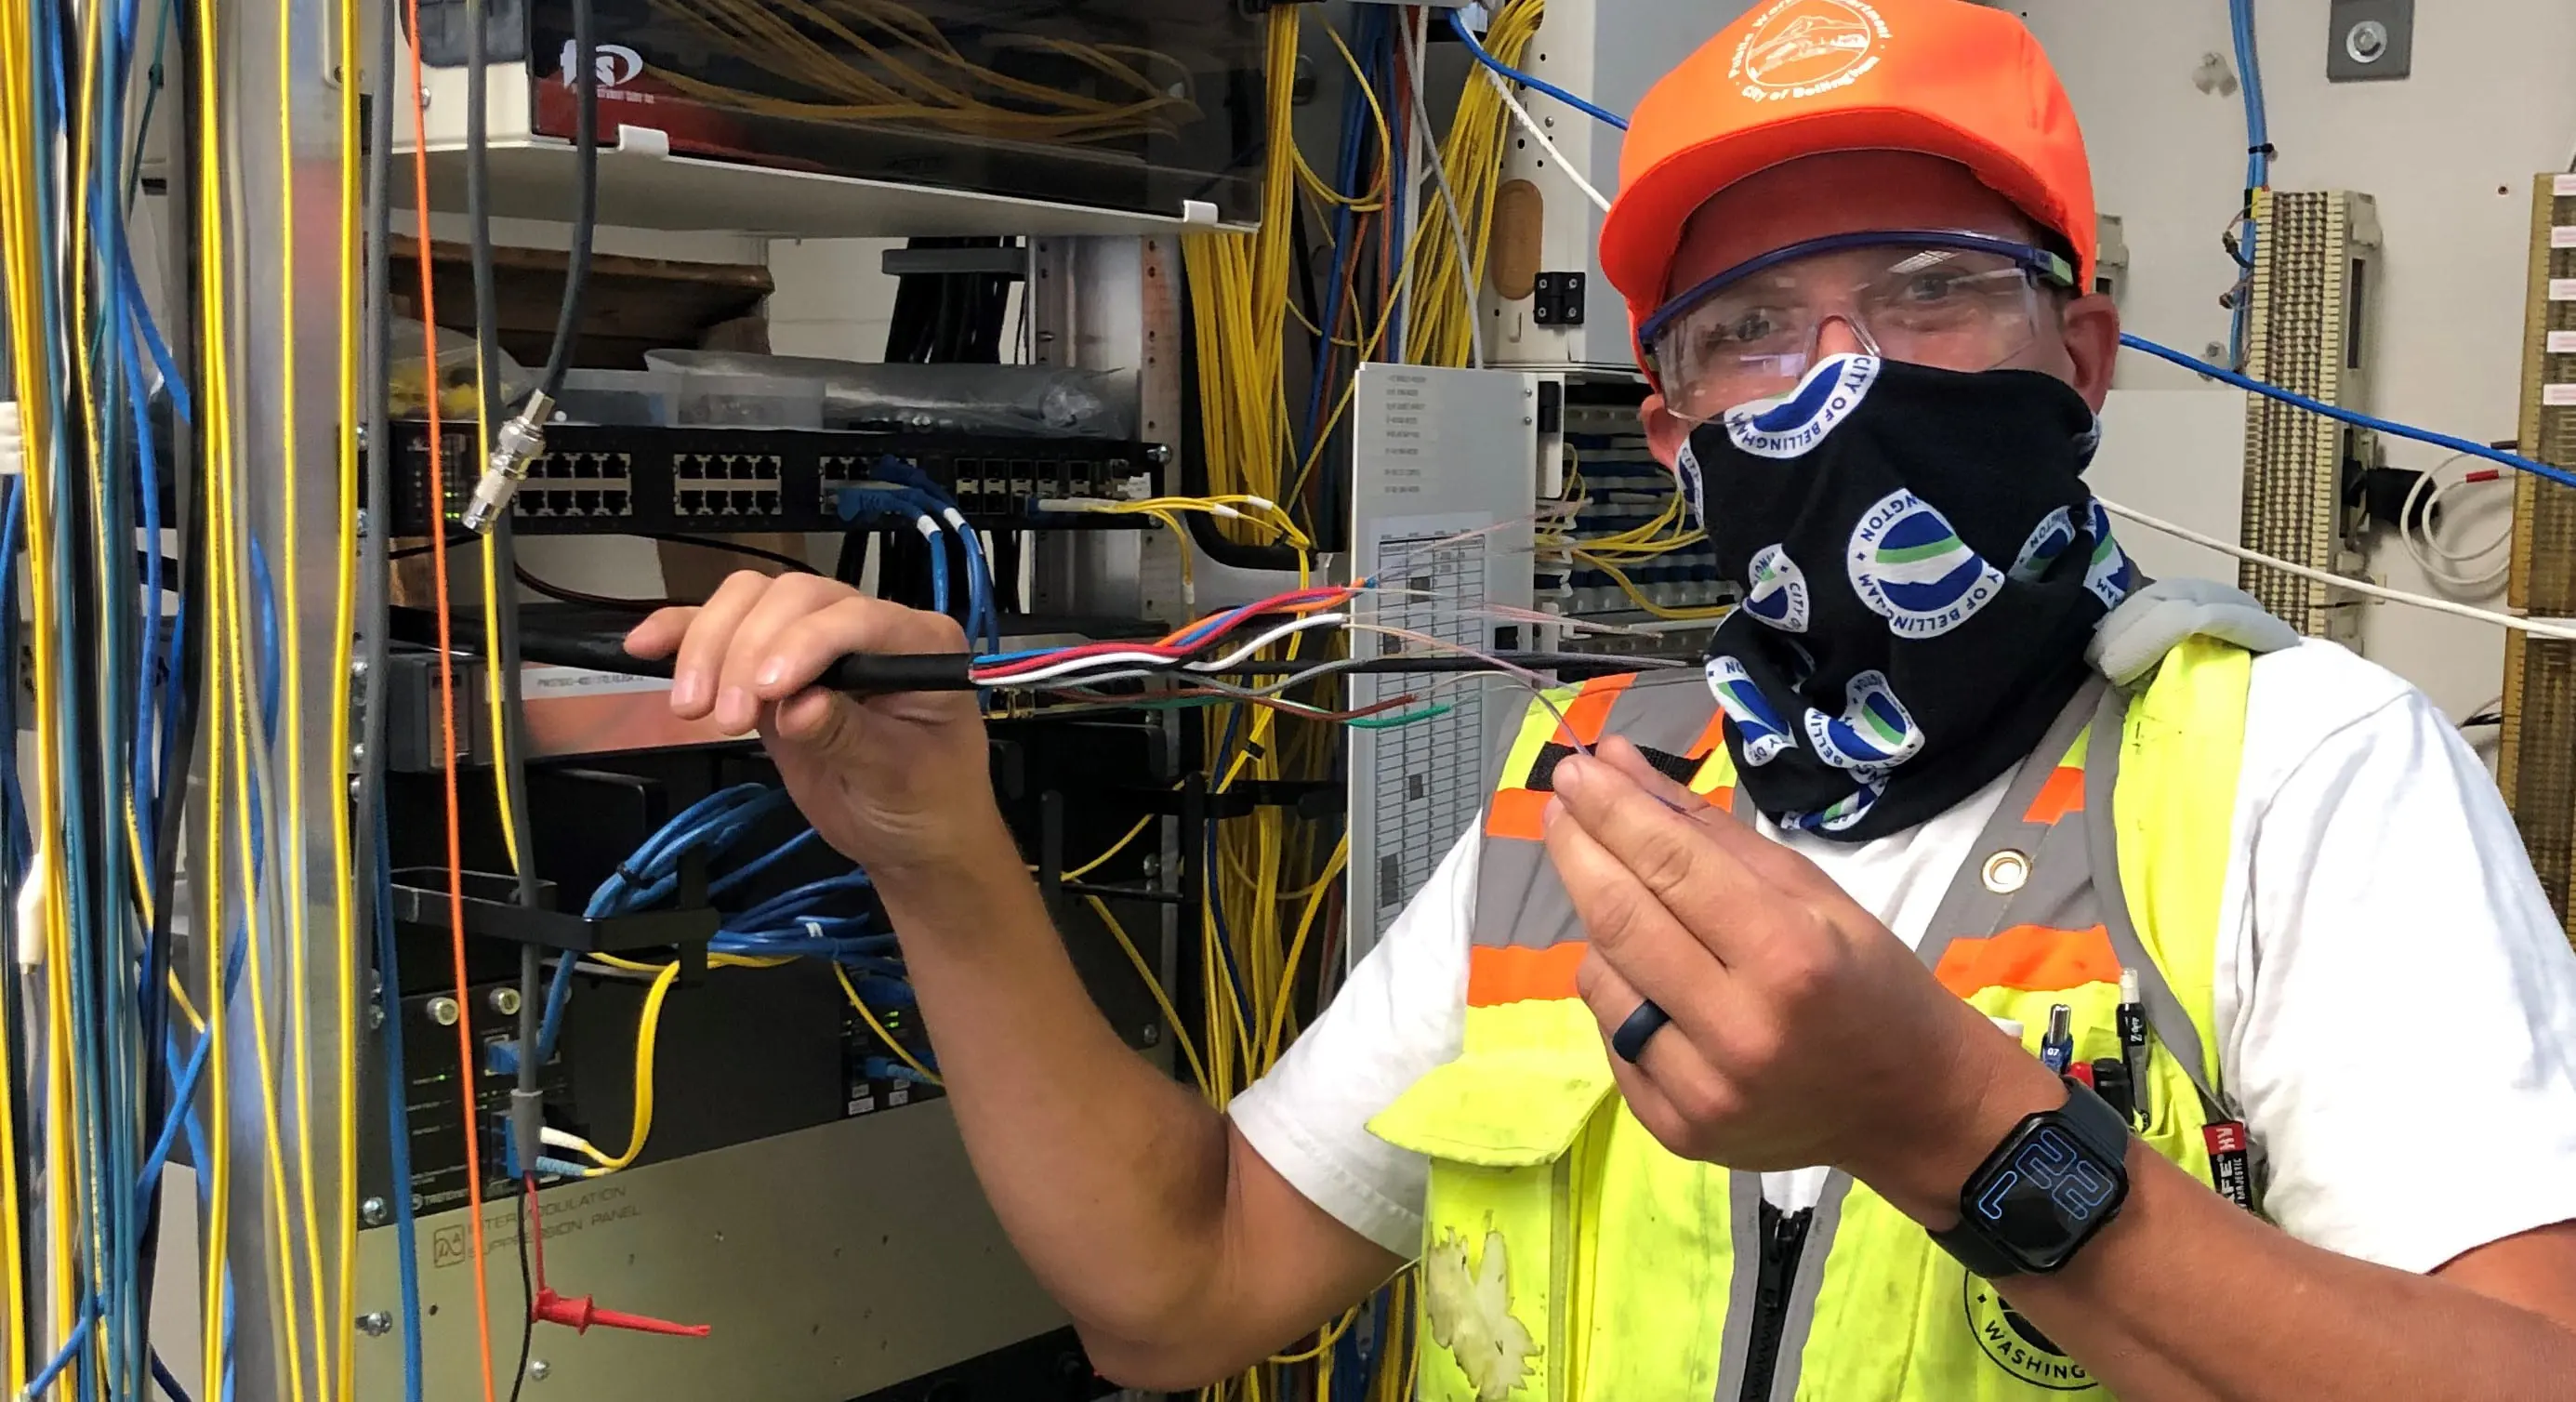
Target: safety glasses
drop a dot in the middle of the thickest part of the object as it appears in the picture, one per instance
(1948, 299)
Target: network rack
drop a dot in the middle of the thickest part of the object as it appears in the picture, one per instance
(597, 479)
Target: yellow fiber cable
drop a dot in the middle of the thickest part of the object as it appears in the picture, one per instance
(292, 859)
(851, 991)
(648, 1030)
(1115, 848)
(344, 613)
(1306, 922)
(1153, 985)
(215, 403)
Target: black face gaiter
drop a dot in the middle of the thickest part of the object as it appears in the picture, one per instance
(1924, 567)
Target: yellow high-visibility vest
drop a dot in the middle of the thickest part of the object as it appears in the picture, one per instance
(1567, 1255)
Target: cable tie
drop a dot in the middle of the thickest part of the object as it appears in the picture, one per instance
(2267, 150)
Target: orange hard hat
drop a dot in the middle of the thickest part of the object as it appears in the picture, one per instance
(1796, 78)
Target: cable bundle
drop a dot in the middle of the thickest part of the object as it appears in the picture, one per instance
(873, 60)
(126, 1051)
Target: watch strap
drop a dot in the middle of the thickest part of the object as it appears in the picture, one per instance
(2085, 1115)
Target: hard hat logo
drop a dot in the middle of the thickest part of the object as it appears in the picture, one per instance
(1800, 48)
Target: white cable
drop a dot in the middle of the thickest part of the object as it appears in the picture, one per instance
(1449, 199)
(2436, 560)
(1530, 125)
(2534, 627)
(1157, 660)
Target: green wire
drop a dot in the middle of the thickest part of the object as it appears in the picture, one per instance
(1408, 718)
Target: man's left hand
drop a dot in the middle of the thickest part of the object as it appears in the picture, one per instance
(1803, 1032)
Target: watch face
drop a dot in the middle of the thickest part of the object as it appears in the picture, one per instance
(2042, 1194)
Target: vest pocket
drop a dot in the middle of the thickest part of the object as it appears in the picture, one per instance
(1498, 1219)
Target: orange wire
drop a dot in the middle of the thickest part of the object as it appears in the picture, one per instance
(447, 706)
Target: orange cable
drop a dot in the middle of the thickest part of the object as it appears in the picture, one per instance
(447, 705)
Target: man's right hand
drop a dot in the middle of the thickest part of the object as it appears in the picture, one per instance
(895, 783)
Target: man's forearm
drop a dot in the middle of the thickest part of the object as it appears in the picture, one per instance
(2185, 1296)
(1110, 1177)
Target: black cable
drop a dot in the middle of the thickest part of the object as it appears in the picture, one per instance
(585, 146)
(527, 1277)
(561, 594)
(188, 504)
(734, 547)
(478, 223)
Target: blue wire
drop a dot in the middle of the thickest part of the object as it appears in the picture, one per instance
(74, 1346)
(2341, 415)
(1466, 36)
(757, 865)
(398, 1115)
(1345, 175)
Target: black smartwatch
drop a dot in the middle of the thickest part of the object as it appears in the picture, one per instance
(2045, 1190)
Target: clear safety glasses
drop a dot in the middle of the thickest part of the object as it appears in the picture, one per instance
(1946, 299)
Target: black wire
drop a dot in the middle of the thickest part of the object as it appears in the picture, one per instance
(574, 596)
(527, 1279)
(188, 503)
(585, 146)
(733, 547)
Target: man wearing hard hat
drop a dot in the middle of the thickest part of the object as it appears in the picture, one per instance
(2001, 978)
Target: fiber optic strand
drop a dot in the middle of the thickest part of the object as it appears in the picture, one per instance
(467, 1065)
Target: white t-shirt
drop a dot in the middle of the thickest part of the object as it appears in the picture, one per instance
(2396, 1003)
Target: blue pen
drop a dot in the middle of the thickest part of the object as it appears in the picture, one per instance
(2057, 1048)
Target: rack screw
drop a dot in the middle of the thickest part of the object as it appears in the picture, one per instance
(505, 1001)
(372, 1212)
(375, 1324)
(443, 1011)
(539, 1370)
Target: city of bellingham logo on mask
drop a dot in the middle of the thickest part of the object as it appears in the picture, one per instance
(1872, 735)
(2016, 1345)
(1759, 725)
(1778, 590)
(1804, 48)
(1912, 569)
(2055, 532)
(1794, 423)
(2111, 576)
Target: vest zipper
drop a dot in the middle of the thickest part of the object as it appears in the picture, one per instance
(1784, 1238)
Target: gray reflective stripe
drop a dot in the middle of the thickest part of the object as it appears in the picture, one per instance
(1664, 711)
(1519, 900)
(1968, 909)
(2173, 1025)
(1810, 1283)
(1744, 1286)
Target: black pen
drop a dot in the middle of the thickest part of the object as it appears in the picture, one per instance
(2132, 1023)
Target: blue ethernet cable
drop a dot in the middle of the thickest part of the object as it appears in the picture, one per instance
(2339, 414)
(1466, 36)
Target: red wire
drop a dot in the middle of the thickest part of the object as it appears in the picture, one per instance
(1300, 601)
(447, 714)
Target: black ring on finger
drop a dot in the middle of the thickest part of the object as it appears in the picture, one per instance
(1641, 1026)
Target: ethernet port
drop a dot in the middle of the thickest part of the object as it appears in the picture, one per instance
(765, 503)
(722, 502)
(693, 503)
(614, 503)
(585, 464)
(1024, 479)
(585, 503)
(1063, 477)
(741, 503)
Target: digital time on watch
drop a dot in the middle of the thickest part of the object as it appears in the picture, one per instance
(2059, 1177)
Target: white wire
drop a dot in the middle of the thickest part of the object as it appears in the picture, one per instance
(2435, 559)
(1155, 660)
(1448, 198)
(1530, 125)
(2534, 627)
